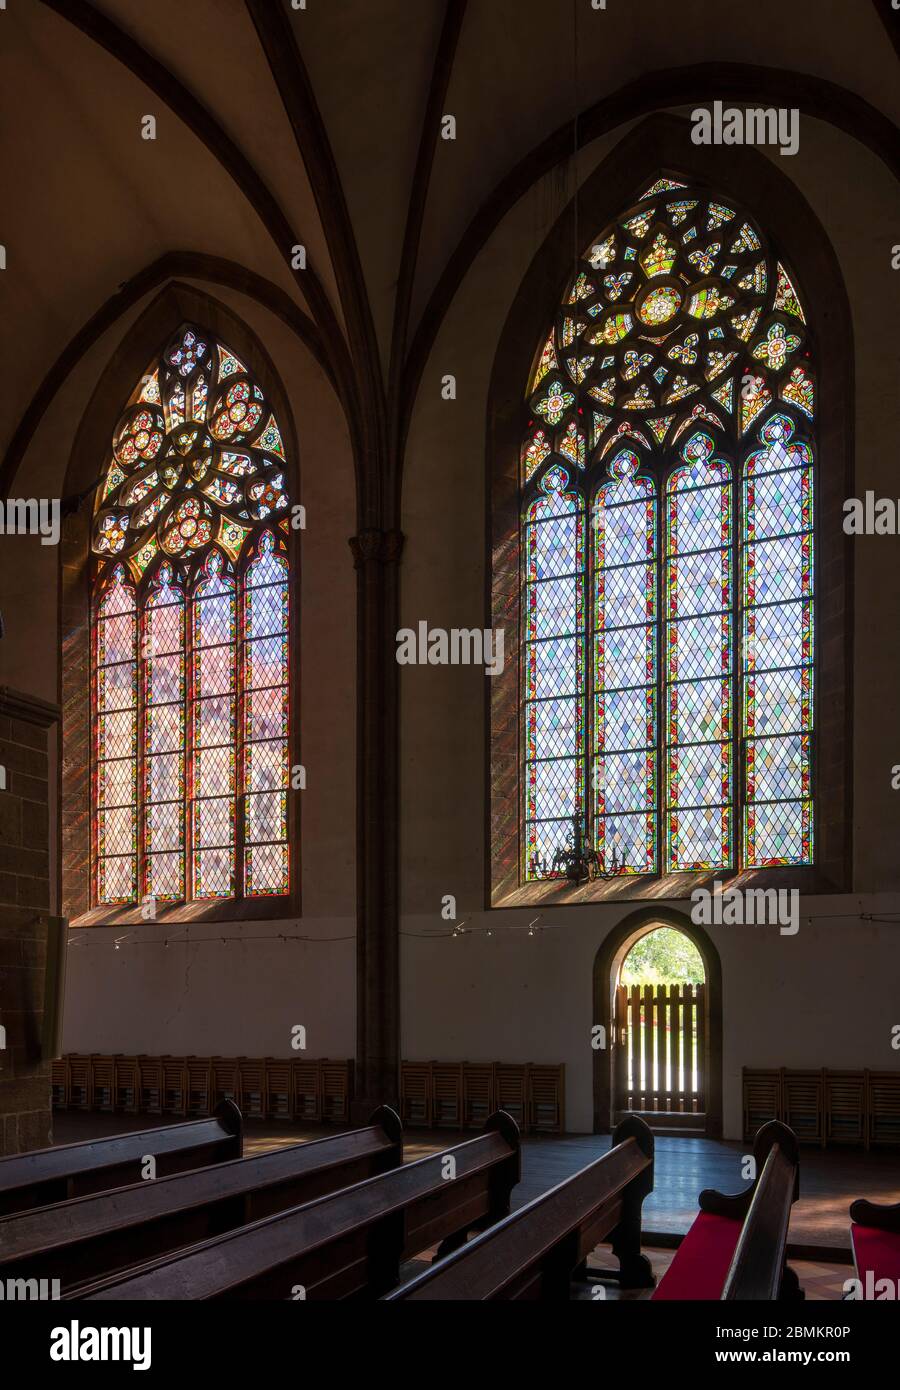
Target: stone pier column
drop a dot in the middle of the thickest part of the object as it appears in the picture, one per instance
(30, 940)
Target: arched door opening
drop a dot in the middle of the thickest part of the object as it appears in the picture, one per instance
(660, 1030)
(658, 998)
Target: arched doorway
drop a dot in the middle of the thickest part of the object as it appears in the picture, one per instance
(658, 1000)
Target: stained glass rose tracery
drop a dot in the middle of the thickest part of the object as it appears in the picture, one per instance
(190, 687)
(171, 443)
(668, 663)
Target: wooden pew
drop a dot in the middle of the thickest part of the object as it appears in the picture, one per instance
(70, 1170)
(533, 1253)
(735, 1249)
(344, 1245)
(94, 1236)
(875, 1237)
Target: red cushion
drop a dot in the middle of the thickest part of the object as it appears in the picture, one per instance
(702, 1259)
(878, 1251)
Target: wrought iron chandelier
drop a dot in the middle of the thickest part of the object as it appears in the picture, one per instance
(576, 859)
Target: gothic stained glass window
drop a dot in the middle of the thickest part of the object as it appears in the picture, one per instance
(668, 660)
(190, 647)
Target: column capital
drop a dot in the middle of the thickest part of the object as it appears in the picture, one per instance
(374, 545)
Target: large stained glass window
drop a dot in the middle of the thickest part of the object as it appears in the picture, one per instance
(191, 683)
(668, 659)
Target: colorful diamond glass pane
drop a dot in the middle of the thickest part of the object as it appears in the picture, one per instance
(115, 745)
(699, 587)
(554, 624)
(777, 665)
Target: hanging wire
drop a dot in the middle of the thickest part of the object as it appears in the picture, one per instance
(117, 942)
(531, 929)
(131, 938)
(575, 191)
(452, 931)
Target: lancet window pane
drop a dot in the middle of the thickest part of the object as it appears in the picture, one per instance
(163, 677)
(625, 716)
(554, 637)
(777, 647)
(214, 727)
(266, 775)
(115, 741)
(699, 661)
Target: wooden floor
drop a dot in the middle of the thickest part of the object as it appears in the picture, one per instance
(829, 1179)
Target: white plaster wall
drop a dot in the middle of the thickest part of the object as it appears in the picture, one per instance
(828, 996)
(213, 991)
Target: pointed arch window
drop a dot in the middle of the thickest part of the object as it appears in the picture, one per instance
(191, 619)
(669, 657)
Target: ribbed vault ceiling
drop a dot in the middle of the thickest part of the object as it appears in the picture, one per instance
(90, 204)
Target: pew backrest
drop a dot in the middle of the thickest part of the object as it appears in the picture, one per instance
(736, 1245)
(757, 1268)
(881, 1216)
(738, 1204)
(534, 1252)
(96, 1165)
(875, 1242)
(348, 1243)
(92, 1236)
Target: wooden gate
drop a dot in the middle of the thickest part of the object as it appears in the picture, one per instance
(660, 1051)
